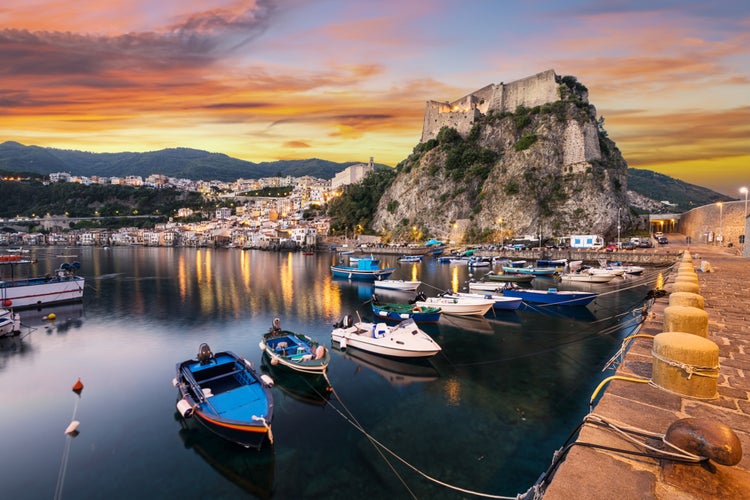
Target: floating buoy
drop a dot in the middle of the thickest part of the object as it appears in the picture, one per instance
(267, 380)
(78, 387)
(72, 429)
(51, 316)
(7, 303)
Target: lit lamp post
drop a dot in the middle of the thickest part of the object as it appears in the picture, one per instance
(721, 223)
(743, 190)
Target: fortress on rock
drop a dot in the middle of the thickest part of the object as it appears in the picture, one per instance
(580, 143)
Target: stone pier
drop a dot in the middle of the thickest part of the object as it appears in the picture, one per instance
(602, 474)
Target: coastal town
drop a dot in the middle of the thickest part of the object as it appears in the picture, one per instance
(260, 222)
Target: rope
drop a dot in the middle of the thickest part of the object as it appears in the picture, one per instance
(352, 420)
(691, 370)
(374, 443)
(65, 457)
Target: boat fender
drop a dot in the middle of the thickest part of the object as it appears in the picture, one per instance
(184, 408)
(71, 429)
(274, 361)
(416, 309)
(342, 344)
(268, 381)
(174, 382)
(207, 392)
(320, 352)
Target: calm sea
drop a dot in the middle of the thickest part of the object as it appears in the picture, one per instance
(484, 415)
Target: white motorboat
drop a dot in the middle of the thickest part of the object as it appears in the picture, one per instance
(458, 306)
(10, 322)
(501, 301)
(397, 284)
(588, 277)
(63, 286)
(404, 340)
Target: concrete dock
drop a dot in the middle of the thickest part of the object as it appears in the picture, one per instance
(595, 473)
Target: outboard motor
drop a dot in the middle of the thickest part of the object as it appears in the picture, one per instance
(420, 297)
(204, 354)
(375, 299)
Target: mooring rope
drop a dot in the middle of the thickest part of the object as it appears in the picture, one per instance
(65, 457)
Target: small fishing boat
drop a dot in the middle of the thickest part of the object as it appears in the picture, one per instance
(534, 271)
(227, 396)
(502, 303)
(10, 322)
(293, 350)
(367, 269)
(393, 311)
(20, 292)
(404, 340)
(586, 276)
(458, 306)
(508, 277)
(410, 258)
(551, 296)
(397, 285)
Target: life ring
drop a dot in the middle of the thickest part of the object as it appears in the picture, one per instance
(416, 309)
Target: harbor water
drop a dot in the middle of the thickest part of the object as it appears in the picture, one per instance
(485, 415)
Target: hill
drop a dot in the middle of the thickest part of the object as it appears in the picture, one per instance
(175, 162)
(659, 187)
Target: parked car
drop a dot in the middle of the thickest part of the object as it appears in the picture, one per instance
(628, 245)
(658, 234)
(611, 247)
(662, 240)
(645, 244)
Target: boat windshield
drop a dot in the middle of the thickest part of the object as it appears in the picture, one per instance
(407, 326)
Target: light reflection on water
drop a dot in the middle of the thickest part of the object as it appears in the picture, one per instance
(485, 414)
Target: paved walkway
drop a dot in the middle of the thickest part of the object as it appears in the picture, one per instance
(597, 474)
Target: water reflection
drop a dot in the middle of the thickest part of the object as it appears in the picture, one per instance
(308, 388)
(251, 470)
(396, 371)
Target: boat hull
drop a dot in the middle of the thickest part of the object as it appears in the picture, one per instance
(361, 275)
(588, 278)
(397, 342)
(393, 312)
(458, 306)
(564, 298)
(37, 292)
(397, 284)
(502, 303)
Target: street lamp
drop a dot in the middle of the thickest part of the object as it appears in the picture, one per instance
(743, 190)
(721, 223)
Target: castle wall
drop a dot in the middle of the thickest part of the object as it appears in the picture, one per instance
(461, 114)
(580, 144)
(704, 224)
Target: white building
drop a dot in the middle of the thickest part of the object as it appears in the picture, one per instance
(352, 174)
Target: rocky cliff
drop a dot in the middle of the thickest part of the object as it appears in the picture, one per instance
(550, 169)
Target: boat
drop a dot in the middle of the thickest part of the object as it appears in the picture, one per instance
(502, 303)
(619, 266)
(293, 350)
(586, 276)
(458, 306)
(309, 388)
(410, 258)
(367, 269)
(394, 311)
(551, 296)
(63, 286)
(508, 277)
(534, 271)
(397, 285)
(404, 340)
(479, 262)
(10, 322)
(227, 396)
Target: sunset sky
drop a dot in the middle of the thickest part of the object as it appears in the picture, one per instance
(344, 80)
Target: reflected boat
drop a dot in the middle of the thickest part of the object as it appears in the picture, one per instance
(582, 314)
(477, 324)
(253, 471)
(395, 371)
(309, 388)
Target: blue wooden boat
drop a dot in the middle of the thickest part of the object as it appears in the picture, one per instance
(551, 296)
(392, 311)
(225, 394)
(367, 269)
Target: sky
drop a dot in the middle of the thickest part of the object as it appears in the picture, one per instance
(346, 80)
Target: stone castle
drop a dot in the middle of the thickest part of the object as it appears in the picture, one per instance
(580, 143)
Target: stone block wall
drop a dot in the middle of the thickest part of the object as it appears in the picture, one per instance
(704, 223)
(580, 144)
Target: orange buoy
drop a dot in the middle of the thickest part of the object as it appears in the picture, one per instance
(7, 303)
(78, 387)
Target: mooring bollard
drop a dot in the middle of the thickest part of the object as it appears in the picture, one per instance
(686, 299)
(685, 364)
(685, 286)
(686, 319)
